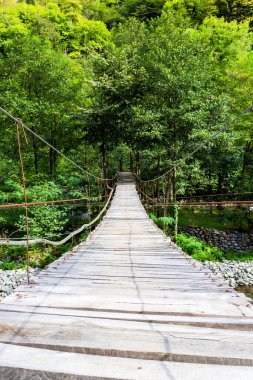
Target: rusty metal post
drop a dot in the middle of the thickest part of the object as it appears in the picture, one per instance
(25, 201)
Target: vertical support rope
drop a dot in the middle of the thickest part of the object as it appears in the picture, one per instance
(157, 197)
(153, 198)
(144, 195)
(175, 206)
(99, 195)
(89, 195)
(26, 206)
(164, 205)
(176, 219)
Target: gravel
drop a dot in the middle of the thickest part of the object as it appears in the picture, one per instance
(233, 272)
(11, 279)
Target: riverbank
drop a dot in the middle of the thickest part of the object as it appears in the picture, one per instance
(233, 272)
(11, 279)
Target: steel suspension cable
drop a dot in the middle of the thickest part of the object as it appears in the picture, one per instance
(7, 242)
(19, 122)
(53, 202)
(26, 207)
(213, 136)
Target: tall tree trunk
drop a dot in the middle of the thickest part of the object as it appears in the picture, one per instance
(121, 164)
(220, 183)
(50, 161)
(157, 174)
(209, 187)
(103, 152)
(131, 163)
(52, 154)
(54, 159)
(247, 149)
(138, 165)
(174, 185)
(174, 172)
(104, 171)
(170, 191)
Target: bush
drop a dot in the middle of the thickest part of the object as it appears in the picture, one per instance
(153, 218)
(40, 256)
(165, 221)
(45, 220)
(6, 265)
(198, 250)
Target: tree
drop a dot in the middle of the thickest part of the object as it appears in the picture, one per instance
(143, 10)
(197, 10)
(43, 93)
(235, 9)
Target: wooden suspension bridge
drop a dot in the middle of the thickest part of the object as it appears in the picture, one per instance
(127, 304)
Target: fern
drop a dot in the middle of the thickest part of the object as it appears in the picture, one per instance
(165, 221)
(153, 218)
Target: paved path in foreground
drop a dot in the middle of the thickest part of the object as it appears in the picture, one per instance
(126, 305)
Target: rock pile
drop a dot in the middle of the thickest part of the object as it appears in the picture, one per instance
(226, 240)
(233, 272)
(11, 279)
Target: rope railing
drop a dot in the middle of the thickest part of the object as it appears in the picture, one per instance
(156, 201)
(52, 202)
(161, 185)
(104, 188)
(9, 242)
(199, 147)
(213, 195)
(214, 203)
(25, 127)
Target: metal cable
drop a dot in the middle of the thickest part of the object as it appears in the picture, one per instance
(43, 203)
(250, 108)
(26, 207)
(7, 242)
(213, 195)
(19, 122)
(218, 203)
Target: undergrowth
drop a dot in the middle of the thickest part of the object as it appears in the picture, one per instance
(40, 256)
(202, 251)
(14, 257)
(196, 248)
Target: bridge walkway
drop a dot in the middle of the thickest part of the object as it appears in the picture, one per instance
(126, 304)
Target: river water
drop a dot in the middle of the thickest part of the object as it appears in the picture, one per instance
(247, 290)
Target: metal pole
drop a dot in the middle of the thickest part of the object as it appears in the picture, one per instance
(26, 206)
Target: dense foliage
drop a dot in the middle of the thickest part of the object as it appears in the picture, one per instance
(202, 251)
(125, 84)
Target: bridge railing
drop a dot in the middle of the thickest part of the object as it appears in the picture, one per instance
(99, 192)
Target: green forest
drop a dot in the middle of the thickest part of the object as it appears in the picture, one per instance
(123, 85)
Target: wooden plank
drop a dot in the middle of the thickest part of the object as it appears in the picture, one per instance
(88, 335)
(124, 297)
(41, 364)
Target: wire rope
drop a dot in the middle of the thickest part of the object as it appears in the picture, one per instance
(213, 136)
(19, 122)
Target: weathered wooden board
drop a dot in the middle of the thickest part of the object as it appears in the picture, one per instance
(126, 304)
(21, 363)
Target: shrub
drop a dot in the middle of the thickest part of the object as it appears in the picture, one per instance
(45, 220)
(165, 221)
(198, 250)
(153, 218)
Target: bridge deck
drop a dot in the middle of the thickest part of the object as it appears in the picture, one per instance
(127, 305)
